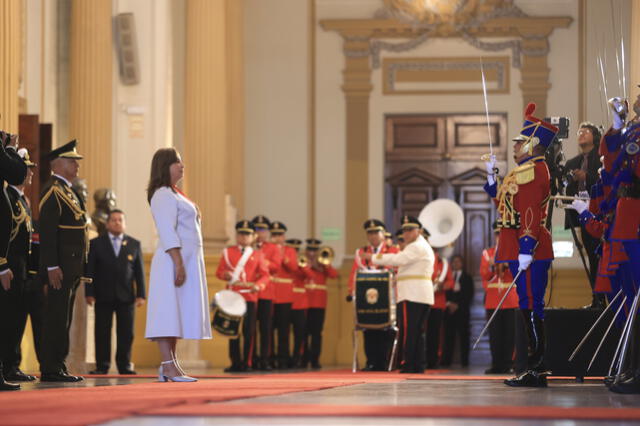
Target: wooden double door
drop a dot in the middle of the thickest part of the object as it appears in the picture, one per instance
(438, 156)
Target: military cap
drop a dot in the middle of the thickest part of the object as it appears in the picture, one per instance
(68, 150)
(24, 154)
(373, 225)
(409, 222)
(536, 131)
(294, 242)
(245, 227)
(399, 235)
(261, 222)
(313, 244)
(278, 227)
(387, 234)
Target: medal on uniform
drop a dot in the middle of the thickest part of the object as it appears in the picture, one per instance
(130, 257)
(632, 148)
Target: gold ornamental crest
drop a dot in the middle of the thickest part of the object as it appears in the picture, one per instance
(445, 11)
(372, 296)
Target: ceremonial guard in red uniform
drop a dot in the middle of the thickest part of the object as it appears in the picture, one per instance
(273, 258)
(299, 305)
(283, 286)
(245, 272)
(525, 241)
(442, 279)
(316, 286)
(376, 342)
(496, 279)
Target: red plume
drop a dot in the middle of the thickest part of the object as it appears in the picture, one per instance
(530, 109)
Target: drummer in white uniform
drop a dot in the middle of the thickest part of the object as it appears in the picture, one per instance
(415, 291)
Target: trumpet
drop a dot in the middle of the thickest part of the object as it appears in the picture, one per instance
(568, 198)
(303, 261)
(325, 255)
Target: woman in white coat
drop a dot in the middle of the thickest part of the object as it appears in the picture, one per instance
(178, 305)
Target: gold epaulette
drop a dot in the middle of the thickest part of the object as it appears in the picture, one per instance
(3, 260)
(526, 172)
(61, 195)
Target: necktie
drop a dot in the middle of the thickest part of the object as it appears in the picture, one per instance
(582, 185)
(116, 245)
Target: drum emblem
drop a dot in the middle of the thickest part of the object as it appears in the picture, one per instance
(372, 296)
(225, 324)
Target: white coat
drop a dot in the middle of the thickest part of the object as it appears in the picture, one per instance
(415, 268)
(172, 311)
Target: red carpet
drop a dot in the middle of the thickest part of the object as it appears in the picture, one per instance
(426, 411)
(90, 405)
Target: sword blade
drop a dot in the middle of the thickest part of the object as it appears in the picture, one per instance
(486, 105)
(606, 333)
(495, 311)
(593, 327)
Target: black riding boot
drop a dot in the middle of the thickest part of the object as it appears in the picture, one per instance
(536, 374)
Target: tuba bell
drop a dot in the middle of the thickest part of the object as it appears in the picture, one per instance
(444, 219)
(325, 255)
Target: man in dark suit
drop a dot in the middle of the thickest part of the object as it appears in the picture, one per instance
(115, 265)
(457, 314)
(12, 171)
(14, 305)
(63, 256)
(584, 170)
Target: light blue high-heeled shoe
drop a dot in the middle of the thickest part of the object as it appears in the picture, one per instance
(182, 378)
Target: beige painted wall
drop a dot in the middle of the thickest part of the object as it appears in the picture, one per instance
(276, 122)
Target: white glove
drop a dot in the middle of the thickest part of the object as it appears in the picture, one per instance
(491, 164)
(524, 261)
(580, 206)
(618, 123)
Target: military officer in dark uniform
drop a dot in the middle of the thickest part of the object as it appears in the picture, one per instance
(13, 303)
(12, 171)
(63, 255)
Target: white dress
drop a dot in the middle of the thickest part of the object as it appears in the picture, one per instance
(172, 311)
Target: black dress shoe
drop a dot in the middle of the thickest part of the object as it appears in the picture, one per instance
(316, 365)
(368, 367)
(18, 375)
(528, 379)
(629, 386)
(234, 369)
(97, 371)
(608, 380)
(6, 386)
(60, 377)
(128, 372)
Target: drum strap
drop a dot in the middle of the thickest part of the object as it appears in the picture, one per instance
(235, 275)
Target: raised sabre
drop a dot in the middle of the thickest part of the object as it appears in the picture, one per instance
(487, 157)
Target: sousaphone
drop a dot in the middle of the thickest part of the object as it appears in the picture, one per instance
(444, 219)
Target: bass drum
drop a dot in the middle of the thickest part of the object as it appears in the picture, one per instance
(375, 300)
(229, 310)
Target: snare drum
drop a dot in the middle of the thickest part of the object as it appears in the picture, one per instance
(375, 301)
(229, 310)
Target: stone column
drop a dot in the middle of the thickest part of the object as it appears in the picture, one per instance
(357, 87)
(206, 129)
(535, 71)
(90, 98)
(634, 74)
(10, 63)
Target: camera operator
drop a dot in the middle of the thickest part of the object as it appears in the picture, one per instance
(583, 173)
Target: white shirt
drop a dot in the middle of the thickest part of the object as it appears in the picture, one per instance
(415, 268)
(63, 179)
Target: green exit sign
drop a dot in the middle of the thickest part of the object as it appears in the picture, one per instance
(331, 234)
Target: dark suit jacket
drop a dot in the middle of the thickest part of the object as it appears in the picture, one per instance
(114, 277)
(13, 171)
(464, 297)
(570, 216)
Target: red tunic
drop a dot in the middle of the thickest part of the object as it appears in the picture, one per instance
(273, 258)
(495, 284)
(255, 272)
(530, 202)
(316, 285)
(300, 297)
(285, 276)
(360, 264)
(440, 296)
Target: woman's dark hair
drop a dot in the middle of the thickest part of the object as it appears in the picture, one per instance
(160, 174)
(595, 131)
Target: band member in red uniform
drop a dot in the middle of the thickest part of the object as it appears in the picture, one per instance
(283, 283)
(245, 272)
(496, 279)
(442, 279)
(299, 306)
(376, 342)
(273, 258)
(525, 241)
(316, 286)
